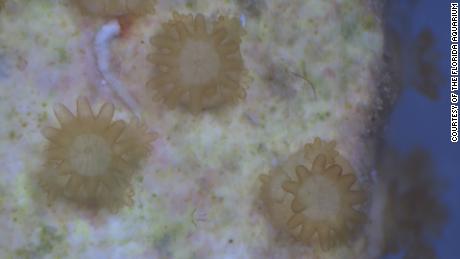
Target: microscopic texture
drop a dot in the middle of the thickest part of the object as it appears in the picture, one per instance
(90, 159)
(311, 65)
(314, 201)
(198, 63)
(116, 7)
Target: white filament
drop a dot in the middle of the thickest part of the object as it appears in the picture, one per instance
(103, 56)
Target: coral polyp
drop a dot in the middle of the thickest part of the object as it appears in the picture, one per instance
(134, 142)
(312, 150)
(323, 203)
(91, 158)
(116, 7)
(315, 202)
(199, 64)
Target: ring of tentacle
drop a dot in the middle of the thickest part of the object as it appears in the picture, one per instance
(199, 64)
(91, 158)
(315, 202)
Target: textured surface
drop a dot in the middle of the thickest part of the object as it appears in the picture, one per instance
(311, 64)
(116, 8)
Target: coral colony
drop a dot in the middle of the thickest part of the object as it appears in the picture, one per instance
(314, 196)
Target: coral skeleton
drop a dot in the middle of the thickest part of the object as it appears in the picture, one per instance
(314, 202)
(199, 64)
(116, 7)
(90, 159)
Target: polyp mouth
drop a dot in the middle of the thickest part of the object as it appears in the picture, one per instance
(90, 155)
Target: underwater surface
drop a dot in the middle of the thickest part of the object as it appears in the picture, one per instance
(225, 129)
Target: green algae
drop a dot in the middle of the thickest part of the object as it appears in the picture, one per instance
(322, 116)
(63, 56)
(319, 117)
(190, 4)
(13, 135)
(139, 178)
(164, 237)
(48, 238)
(163, 242)
(161, 230)
(42, 117)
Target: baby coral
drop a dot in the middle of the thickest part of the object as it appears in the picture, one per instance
(116, 7)
(198, 66)
(91, 159)
(312, 198)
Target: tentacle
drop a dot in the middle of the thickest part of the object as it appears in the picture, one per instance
(63, 114)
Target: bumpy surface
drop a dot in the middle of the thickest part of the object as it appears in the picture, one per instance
(91, 159)
(318, 203)
(116, 7)
(199, 64)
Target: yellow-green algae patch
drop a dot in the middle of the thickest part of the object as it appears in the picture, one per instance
(48, 239)
(162, 233)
